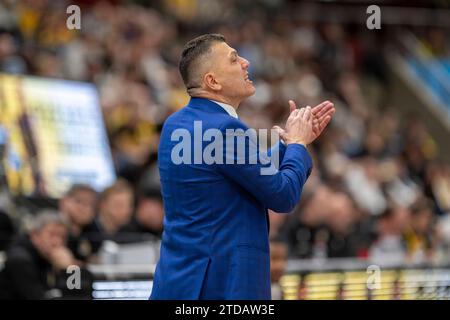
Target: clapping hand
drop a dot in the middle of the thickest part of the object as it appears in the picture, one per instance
(318, 118)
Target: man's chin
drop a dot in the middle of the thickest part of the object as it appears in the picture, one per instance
(251, 91)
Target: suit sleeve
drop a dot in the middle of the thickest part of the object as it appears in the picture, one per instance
(279, 189)
(279, 147)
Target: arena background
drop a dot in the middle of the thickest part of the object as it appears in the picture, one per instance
(86, 106)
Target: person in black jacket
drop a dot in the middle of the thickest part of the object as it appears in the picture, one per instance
(147, 221)
(116, 205)
(78, 206)
(7, 230)
(36, 265)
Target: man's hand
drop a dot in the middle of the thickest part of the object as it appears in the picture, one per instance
(321, 116)
(299, 127)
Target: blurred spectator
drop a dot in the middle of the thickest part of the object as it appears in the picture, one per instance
(442, 236)
(36, 265)
(327, 225)
(419, 236)
(115, 211)
(78, 207)
(363, 182)
(278, 261)
(305, 230)
(10, 60)
(134, 139)
(149, 215)
(437, 186)
(390, 247)
(400, 188)
(341, 219)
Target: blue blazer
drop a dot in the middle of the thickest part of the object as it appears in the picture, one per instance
(215, 242)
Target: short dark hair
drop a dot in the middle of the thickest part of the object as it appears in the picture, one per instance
(121, 185)
(192, 52)
(79, 187)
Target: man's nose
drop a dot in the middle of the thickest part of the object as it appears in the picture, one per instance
(245, 63)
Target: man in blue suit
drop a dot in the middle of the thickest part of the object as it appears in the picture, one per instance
(215, 242)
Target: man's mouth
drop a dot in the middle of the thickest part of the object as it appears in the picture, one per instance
(246, 78)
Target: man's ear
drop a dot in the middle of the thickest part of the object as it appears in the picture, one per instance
(210, 81)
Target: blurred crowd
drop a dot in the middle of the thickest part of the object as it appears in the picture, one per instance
(377, 190)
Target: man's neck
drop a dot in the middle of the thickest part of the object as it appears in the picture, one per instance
(216, 97)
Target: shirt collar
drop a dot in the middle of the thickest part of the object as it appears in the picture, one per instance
(229, 109)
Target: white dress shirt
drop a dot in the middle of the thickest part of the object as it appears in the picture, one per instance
(229, 109)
